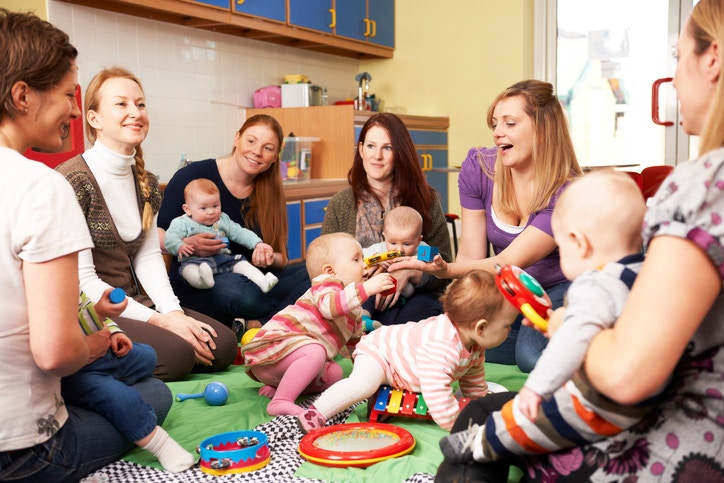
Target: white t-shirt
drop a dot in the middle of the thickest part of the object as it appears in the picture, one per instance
(40, 221)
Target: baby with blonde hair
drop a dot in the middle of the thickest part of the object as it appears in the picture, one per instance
(294, 352)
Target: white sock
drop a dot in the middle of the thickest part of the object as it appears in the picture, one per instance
(271, 281)
(169, 453)
(206, 275)
(198, 276)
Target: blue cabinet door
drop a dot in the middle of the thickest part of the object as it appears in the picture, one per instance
(271, 9)
(381, 15)
(294, 240)
(216, 3)
(312, 14)
(352, 19)
(436, 158)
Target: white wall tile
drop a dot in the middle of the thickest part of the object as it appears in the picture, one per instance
(196, 82)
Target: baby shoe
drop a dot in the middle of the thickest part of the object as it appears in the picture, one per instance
(310, 420)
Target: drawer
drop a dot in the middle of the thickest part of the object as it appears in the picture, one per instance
(314, 211)
(429, 138)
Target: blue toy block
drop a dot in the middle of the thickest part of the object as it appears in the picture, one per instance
(426, 253)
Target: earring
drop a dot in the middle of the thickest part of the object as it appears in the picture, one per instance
(25, 109)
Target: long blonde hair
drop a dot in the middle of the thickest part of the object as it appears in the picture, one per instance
(554, 159)
(92, 100)
(706, 25)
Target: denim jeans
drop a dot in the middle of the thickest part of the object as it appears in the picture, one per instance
(105, 386)
(524, 345)
(86, 442)
(234, 295)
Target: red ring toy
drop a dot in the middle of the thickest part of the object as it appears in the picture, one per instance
(525, 293)
(355, 444)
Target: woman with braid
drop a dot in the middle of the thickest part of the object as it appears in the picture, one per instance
(120, 200)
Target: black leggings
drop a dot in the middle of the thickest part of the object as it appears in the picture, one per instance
(476, 412)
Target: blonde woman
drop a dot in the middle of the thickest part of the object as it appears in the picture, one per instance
(120, 200)
(507, 194)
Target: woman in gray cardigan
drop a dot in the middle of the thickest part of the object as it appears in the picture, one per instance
(385, 174)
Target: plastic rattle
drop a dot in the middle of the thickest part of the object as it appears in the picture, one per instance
(215, 393)
(381, 257)
(525, 293)
(117, 295)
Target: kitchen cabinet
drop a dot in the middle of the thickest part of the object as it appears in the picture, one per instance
(371, 21)
(270, 9)
(304, 24)
(306, 205)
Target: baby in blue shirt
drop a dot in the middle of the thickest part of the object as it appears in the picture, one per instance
(202, 208)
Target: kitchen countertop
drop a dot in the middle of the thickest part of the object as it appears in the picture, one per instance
(314, 188)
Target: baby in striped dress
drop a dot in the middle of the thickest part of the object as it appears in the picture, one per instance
(427, 356)
(294, 352)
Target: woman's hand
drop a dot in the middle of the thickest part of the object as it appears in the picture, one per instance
(98, 344)
(205, 244)
(437, 267)
(263, 255)
(196, 333)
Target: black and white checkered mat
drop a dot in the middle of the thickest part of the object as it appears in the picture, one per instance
(284, 436)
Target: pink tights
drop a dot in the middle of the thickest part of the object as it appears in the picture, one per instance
(305, 370)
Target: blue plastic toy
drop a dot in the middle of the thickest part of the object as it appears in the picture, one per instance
(426, 253)
(215, 394)
(117, 295)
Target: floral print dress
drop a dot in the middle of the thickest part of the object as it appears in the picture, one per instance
(682, 440)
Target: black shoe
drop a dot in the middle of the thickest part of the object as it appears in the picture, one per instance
(239, 327)
(458, 447)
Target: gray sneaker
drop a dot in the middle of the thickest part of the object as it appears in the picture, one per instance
(458, 447)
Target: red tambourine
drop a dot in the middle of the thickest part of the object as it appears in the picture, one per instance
(525, 293)
(355, 444)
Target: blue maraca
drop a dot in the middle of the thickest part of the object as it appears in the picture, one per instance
(215, 393)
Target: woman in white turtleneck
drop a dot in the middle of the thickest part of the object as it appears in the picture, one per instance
(120, 200)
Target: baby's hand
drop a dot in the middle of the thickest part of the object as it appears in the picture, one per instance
(529, 403)
(185, 250)
(263, 255)
(121, 344)
(555, 319)
(379, 283)
(107, 309)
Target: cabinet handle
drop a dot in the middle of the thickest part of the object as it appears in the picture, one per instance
(374, 28)
(334, 18)
(239, 2)
(426, 162)
(368, 27)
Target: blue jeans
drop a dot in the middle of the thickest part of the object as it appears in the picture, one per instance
(419, 306)
(234, 295)
(105, 386)
(86, 442)
(524, 345)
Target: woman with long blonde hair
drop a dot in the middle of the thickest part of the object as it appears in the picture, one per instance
(120, 199)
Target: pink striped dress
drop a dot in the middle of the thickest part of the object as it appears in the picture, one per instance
(427, 357)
